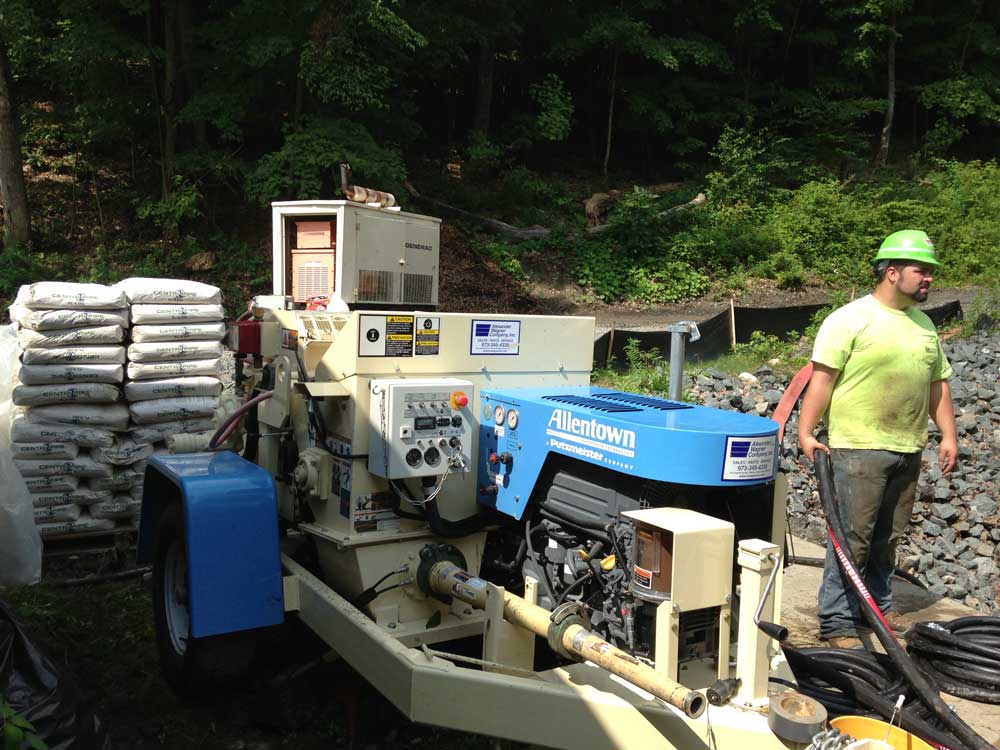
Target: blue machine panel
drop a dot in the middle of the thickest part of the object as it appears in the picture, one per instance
(231, 519)
(641, 436)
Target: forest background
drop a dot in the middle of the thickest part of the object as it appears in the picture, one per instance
(146, 137)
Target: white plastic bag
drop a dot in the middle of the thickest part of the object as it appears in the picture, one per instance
(144, 390)
(42, 374)
(140, 290)
(172, 409)
(107, 416)
(179, 332)
(74, 355)
(26, 431)
(154, 433)
(61, 295)
(161, 351)
(185, 368)
(20, 544)
(63, 337)
(143, 314)
(80, 393)
(47, 320)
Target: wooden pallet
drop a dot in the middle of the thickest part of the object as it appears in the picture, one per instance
(89, 542)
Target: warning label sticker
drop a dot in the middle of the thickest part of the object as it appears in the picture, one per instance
(428, 336)
(495, 337)
(375, 513)
(749, 458)
(385, 336)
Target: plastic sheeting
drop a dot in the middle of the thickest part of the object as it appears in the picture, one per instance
(20, 544)
(33, 686)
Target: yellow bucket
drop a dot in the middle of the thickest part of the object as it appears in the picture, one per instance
(865, 728)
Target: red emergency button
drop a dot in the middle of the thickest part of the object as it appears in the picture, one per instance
(459, 400)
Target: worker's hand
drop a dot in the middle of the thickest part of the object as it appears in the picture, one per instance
(947, 454)
(809, 446)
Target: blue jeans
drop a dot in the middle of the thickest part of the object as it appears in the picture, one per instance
(875, 493)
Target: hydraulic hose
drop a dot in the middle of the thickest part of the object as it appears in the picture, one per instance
(227, 427)
(869, 609)
(818, 562)
(961, 656)
(851, 682)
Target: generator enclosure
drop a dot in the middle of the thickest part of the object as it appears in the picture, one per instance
(363, 255)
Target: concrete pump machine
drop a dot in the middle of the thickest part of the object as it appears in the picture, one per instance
(403, 480)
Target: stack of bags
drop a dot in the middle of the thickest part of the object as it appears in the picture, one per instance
(68, 394)
(174, 361)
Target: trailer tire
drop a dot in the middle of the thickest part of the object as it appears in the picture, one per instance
(193, 667)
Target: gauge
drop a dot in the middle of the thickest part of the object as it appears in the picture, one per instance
(487, 409)
(512, 419)
(498, 414)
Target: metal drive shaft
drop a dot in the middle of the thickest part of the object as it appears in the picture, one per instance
(448, 579)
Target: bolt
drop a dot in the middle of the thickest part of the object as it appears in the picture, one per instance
(467, 611)
(392, 626)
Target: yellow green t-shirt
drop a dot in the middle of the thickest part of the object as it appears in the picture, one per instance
(887, 360)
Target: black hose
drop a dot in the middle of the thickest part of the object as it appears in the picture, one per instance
(850, 682)
(913, 676)
(961, 656)
(574, 586)
(533, 556)
(818, 562)
(442, 527)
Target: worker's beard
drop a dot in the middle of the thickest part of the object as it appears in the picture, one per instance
(921, 294)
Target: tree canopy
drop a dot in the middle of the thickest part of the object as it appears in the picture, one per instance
(185, 110)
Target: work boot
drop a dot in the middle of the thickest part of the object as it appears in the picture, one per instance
(843, 641)
(899, 622)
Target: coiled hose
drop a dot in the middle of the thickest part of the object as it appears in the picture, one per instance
(916, 679)
(856, 682)
(961, 656)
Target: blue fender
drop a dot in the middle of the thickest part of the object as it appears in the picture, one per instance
(230, 515)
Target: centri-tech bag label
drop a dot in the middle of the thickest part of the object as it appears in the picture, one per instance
(749, 458)
(501, 337)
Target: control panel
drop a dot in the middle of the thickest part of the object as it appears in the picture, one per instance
(420, 428)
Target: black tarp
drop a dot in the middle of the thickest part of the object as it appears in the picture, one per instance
(714, 341)
(39, 692)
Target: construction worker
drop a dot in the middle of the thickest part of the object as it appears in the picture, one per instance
(878, 371)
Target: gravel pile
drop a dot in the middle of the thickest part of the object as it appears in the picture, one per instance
(952, 541)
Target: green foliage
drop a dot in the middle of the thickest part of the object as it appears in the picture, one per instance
(505, 255)
(306, 166)
(555, 116)
(749, 168)
(766, 346)
(18, 266)
(17, 732)
(646, 372)
(181, 205)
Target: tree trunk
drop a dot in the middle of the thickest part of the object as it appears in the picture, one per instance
(186, 35)
(890, 109)
(611, 113)
(170, 96)
(16, 219)
(484, 90)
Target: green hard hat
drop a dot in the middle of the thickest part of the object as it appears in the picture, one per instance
(908, 244)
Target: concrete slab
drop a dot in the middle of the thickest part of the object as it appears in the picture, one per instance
(798, 614)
